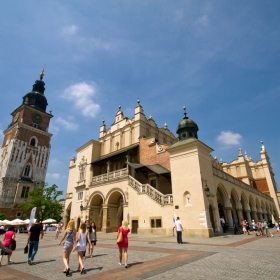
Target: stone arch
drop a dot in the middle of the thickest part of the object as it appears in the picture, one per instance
(259, 210)
(95, 204)
(234, 199)
(245, 205)
(33, 141)
(187, 199)
(115, 201)
(222, 200)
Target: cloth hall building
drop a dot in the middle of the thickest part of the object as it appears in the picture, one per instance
(146, 175)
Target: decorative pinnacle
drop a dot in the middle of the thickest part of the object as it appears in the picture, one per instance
(120, 107)
(103, 121)
(165, 126)
(138, 101)
(185, 113)
(42, 74)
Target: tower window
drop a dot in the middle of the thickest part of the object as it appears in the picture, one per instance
(32, 142)
(27, 170)
(24, 192)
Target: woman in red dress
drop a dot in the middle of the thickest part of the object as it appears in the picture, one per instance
(124, 244)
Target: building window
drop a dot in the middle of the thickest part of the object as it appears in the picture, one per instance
(155, 223)
(32, 142)
(24, 192)
(80, 196)
(27, 170)
(18, 214)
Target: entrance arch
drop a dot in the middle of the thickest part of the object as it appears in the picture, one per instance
(95, 210)
(115, 201)
(67, 214)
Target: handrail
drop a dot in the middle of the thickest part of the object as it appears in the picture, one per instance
(162, 199)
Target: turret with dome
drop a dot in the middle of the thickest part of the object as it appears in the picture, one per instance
(186, 128)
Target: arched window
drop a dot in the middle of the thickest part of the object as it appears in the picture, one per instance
(27, 170)
(32, 142)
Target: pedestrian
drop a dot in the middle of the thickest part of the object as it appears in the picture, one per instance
(68, 245)
(223, 224)
(248, 228)
(6, 251)
(260, 228)
(244, 226)
(277, 225)
(87, 227)
(8, 236)
(235, 226)
(82, 238)
(255, 227)
(267, 229)
(123, 245)
(179, 229)
(57, 231)
(35, 231)
(93, 239)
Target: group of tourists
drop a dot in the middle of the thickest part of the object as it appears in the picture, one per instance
(81, 240)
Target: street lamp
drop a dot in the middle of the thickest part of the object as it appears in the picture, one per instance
(206, 189)
(81, 207)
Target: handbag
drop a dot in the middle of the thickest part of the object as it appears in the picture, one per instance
(78, 243)
(120, 237)
(25, 249)
(13, 244)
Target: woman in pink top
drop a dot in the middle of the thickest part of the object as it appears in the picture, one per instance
(8, 236)
(124, 244)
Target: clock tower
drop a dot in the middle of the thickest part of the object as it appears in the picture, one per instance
(24, 153)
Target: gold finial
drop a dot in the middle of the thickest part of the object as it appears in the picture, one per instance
(42, 74)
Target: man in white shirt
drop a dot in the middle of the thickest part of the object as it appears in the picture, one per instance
(179, 229)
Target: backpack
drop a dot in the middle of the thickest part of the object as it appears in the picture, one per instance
(13, 244)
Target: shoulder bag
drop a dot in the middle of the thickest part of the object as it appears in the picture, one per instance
(120, 237)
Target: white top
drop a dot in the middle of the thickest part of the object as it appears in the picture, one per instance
(178, 225)
(83, 241)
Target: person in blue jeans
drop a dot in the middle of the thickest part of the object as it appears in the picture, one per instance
(179, 229)
(33, 240)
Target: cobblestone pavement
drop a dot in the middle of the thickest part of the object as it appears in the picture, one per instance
(154, 257)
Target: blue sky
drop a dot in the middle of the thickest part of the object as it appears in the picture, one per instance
(218, 58)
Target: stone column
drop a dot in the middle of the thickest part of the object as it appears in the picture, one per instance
(240, 216)
(229, 218)
(255, 216)
(104, 221)
(248, 217)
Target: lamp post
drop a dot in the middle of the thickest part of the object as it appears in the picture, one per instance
(81, 207)
(206, 189)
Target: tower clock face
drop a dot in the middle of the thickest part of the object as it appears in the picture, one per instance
(37, 118)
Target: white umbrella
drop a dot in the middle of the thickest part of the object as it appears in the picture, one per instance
(26, 221)
(5, 222)
(17, 222)
(48, 221)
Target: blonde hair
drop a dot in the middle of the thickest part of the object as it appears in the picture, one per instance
(83, 227)
(71, 225)
(124, 224)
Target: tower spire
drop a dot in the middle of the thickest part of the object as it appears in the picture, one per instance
(42, 74)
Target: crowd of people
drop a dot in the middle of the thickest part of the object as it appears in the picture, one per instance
(81, 240)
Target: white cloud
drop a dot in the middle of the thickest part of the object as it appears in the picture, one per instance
(81, 94)
(70, 30)
(203, 21)
(53, 175)
(55, 161)
(229, 138)
(53, 129)
(66, 124)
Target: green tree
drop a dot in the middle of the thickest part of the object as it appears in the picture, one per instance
(45, 200)
(2, 216)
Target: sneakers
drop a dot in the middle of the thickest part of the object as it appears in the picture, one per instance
(120, 264)
(126, 266)
(30, 262)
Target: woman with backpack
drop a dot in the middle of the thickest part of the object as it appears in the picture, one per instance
(8, 237)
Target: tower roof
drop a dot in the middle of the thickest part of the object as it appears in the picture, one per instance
(36, 97)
